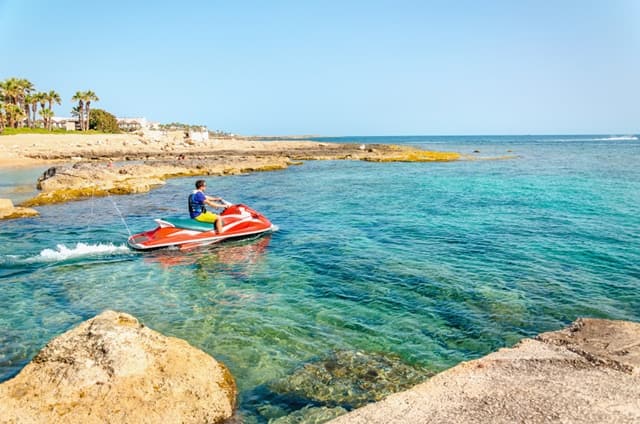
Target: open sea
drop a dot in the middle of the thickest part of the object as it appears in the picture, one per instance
(410, 266)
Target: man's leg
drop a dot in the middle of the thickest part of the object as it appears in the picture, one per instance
(219, 224)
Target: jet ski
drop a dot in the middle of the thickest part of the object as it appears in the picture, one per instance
(239, 221)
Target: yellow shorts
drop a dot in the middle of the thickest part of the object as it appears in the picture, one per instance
(207, 217)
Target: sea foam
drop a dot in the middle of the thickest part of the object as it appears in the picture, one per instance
(63, 252)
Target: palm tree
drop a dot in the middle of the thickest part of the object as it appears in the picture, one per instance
(47, 114)
(1, 114)
(1, 106)
(14, 114)
(75, 111)
(79, 97)
(15, 91)
(9, 88)
(25, 88)
(28, 100)
(84, 99)
(89, 96)
(51, 97)
(40, 98)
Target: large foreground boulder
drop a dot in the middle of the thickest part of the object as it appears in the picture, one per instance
(587, 373)
(111, 368)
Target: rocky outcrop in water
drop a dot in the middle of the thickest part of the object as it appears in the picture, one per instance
(330, 386)
(8, 211)
(136, 170)
(349, 379)
(89, 179)
(111, 368)
(587, 373)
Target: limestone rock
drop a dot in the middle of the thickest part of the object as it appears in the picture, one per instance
(8, 211)
(349, 379)
(111, 368)
(587, 373)
(612, 343)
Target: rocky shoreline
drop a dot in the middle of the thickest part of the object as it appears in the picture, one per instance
(112, 367)
(588, 372)
(100, 165)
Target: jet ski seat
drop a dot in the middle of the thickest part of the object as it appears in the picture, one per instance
(190, 224)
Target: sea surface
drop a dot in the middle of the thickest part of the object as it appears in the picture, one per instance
(426, 264)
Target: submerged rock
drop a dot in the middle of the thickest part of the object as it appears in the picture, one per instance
(587, 373)
(310, 415)
(111, 368)
(349, 379)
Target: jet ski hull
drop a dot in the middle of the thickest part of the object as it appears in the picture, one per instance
(239, 221)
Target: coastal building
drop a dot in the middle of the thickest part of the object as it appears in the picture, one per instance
(198, 134)
(132, 124)
(65, 123)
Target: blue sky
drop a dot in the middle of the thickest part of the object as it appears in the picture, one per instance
(339, 67)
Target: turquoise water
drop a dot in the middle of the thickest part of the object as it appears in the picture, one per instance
(430, 263)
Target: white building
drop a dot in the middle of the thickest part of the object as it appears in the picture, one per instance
(65, 123)
(199, 134)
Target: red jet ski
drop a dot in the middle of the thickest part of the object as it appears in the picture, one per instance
(239, 221)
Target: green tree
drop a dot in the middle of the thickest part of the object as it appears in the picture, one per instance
(84, 99)
(40, 98)
(79, 97)
(15, 91)
(47, 114)
(89, 97)
(103, 121)
(1, 115)
(14, 114)
(29, 100)
(52, 97)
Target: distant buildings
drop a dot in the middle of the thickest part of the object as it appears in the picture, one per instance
(136, 124)
(151, 130)
(63, 123)
(200, 134)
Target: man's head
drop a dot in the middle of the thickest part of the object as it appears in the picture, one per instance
(200, 184)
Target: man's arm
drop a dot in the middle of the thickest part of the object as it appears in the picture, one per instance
(214, 204)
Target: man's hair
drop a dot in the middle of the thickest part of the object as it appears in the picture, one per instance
(199, 183)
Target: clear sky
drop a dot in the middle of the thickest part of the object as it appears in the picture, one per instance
(339, 67)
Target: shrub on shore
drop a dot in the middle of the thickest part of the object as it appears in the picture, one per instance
(103, 121)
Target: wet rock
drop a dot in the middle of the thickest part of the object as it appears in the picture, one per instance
(111, 368)
(8, 211)
(350, 379)
(310, 415)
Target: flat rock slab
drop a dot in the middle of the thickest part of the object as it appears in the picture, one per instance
(111, 368)
(587, 373)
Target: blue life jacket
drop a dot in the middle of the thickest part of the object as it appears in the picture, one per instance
(195, 208)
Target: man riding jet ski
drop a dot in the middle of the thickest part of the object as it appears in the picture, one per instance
(197, 202)
(235, 221)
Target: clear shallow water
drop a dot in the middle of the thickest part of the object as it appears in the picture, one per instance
(434, 263)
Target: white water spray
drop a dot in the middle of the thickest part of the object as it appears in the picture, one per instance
(62, 252)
